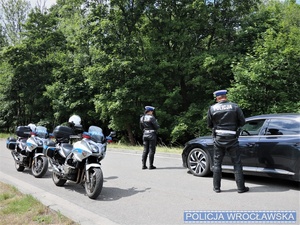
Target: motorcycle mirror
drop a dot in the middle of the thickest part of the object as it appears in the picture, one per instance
(113, 134)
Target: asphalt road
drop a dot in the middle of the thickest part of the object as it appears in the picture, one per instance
(131, 195)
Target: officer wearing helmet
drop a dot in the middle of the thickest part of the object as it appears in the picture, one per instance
(225, 118)
(149, 125)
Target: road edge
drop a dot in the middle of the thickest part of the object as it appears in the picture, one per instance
(56, 203)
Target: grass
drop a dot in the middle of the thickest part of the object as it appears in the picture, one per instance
(19, 209)
(159, 148)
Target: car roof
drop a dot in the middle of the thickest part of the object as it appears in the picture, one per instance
(295, 116)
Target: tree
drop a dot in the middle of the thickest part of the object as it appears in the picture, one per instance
(32, 67)
(116, 49)
(267, 80)
(14, 13)
(169, 54)
(192, 45)
(69, 92)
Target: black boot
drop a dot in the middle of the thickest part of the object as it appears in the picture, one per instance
(144, 159)
(152, 167)
(243, 190)
(240, 182)
(144, 167)
(217, 182)
(151, 160)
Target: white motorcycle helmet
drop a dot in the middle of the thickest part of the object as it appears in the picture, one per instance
(32, 127)
(75, 119)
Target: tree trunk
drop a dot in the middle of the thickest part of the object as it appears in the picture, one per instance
(130, 135)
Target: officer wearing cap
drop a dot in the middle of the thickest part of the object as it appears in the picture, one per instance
(149, 125)
(225, 118)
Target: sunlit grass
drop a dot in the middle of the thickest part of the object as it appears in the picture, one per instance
(159, 148)
(5, 136)
(18, 209)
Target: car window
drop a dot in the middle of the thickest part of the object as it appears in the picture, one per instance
(283, 127)
(252, 127)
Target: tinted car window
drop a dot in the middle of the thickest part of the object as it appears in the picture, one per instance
(252, 127)
(283, 127)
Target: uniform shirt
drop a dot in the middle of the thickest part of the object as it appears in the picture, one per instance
(225, 115)
(148, 122)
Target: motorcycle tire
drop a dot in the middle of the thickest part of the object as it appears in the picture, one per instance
(19, 167)
(93, 186)
(58, 181)
(39, 166)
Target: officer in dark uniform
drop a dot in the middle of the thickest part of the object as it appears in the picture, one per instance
(149, 125)
(225, 119)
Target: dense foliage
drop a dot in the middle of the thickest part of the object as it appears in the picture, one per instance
(106, 61)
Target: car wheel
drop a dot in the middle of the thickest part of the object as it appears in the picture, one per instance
(198, 162)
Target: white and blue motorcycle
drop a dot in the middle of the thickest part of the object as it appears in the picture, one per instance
(80, 162)
(27, 149)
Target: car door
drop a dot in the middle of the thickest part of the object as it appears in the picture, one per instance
(248, 142)
(278, 148)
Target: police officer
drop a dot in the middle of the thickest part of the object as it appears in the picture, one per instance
(225, 118)
(149, 125)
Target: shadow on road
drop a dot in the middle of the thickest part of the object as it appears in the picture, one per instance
(110, 178)
(107, 193)
(265, 184)
(113, 194)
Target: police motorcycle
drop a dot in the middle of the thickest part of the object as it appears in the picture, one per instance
(64, 136)
(27, 149)
(80, 163)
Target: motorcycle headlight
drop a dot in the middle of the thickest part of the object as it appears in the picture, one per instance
(95, 149)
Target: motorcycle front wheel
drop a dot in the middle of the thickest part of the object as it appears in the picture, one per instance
(58, 181)
(19, 167)
(39, 166)
(93, 186)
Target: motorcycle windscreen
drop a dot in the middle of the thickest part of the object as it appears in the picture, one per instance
(96, 134)
(41, 132)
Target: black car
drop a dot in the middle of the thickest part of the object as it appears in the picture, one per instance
(269, 144)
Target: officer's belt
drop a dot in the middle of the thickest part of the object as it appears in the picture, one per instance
(225, 132)
(149, 131)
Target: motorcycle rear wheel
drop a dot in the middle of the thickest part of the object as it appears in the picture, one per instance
(93, 186)
(58, 181)
(39, 166)
(19, 167)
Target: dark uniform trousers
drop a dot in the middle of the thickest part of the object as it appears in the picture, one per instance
(233, 151)
(149, 148)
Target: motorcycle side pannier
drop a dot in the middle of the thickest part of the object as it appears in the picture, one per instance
(23, 131)
(62, 133)
(11, 143)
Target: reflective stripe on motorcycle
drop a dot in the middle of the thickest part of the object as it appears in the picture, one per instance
(88, 166)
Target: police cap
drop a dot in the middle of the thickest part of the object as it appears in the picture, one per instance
(149, 108)
(220, 92)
